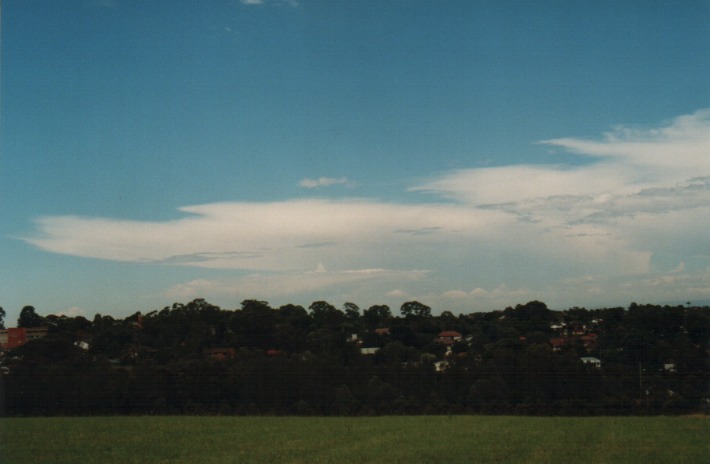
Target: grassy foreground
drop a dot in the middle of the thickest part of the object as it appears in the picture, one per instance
(422, 439)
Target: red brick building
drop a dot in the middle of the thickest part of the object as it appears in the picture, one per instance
(17, 336)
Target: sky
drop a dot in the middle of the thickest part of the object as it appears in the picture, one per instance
(470, 155)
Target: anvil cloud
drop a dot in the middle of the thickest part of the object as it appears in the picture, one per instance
(641, 194)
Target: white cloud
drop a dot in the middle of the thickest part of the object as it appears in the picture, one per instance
(270, 286)
(74, 311)
(642, 193)
(323, 182)
(497, 298)
(681, 146)
(504, 184)
(626, 161)
(676, 286)
(265, 236)
(397, 293)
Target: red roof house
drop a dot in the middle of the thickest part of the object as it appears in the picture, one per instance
(448, 337)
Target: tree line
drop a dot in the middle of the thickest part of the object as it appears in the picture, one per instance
(198, 358)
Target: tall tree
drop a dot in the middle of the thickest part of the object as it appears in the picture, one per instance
(29, 318)
(352, 311)
(254, 325)
(324, 313)
(2, 318)
(255, 305)
(376, 315)
(415, 308)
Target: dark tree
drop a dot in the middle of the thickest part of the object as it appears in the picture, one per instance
(255, 305)
(324, 313)
(415, 308)
(254, 326)
(352, 311)
(320, 308)
(29, 318)
(295, 316)
(2, 318)
(376, 315)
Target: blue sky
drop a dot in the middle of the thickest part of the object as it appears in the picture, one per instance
(467, 154)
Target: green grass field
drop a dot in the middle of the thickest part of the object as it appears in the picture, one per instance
(434, 439)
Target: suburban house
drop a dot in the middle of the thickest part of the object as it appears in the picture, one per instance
(448, 337)
(17, 336)
(558, 343)
(596, 362)
(84, 345)
(558, 326)
(369, 339)
(577, 328)
(589, 342)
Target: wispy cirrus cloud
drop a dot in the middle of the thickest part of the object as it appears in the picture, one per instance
(518, 231)
(293, 3)
(324, 182)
